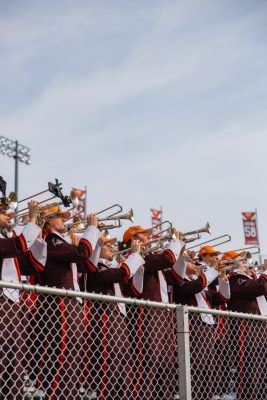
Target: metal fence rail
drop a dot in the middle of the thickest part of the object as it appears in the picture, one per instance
(59, 344)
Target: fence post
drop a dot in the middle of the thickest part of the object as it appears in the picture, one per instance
(183, 353)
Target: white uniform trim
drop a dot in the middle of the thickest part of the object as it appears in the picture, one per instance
(116, 286)
(201, 302)
(138, 279)
(211, 274)
(175, 246)
(30, 233)
(200, 299)
(180, 266)
(92, 235)
(9, 269)
(94, 259)
(163, 287)
(224, 289)
(134, 261)
(39, 251)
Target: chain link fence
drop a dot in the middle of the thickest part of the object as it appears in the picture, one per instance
(58, 344)
(228, 356)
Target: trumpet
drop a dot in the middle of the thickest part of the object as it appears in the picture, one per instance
(122, 253)
(205, 229)
(170, 232)
(129, 215)
(160, 232)
(261, 269)
(159, 242)
(231, 264)
(156, 244)
(150, 246)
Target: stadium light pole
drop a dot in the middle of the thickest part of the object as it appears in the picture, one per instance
(18, 152)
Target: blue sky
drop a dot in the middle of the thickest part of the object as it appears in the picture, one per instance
(148, 103)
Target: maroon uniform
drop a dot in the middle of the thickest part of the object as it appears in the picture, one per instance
(244, 292)
(20, 260)
(17, 245)
(60, 319)
(150, 339)
(107, 355)
(248, 358)
(194, 292)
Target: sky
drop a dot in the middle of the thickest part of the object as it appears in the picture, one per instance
(148, 103)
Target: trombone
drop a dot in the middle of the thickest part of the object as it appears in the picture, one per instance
(67, 201)
(226, 236)
(54, 188)
(107, 218)
(119, 209)
(78, 225)
(257, 250)
(112, 217)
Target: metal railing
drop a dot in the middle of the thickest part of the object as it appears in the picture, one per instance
(59, 344)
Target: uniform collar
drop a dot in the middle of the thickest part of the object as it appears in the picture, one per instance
(109, 264)
(65, 237)
(239, 272)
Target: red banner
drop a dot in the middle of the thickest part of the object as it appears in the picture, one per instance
(156, 218)
(81, 194)
(250, 227)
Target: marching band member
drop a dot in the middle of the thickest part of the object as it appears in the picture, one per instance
(208, 256)
(21, 254)
(17, 245)
(60, 318)
(248, 294)
(107, 347)
(193, 291)
(151, 325)
(247, 291)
